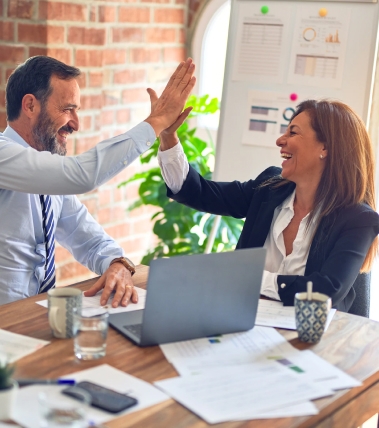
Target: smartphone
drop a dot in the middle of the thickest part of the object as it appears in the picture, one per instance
(102, 398)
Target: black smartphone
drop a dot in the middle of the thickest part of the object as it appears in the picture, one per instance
(102, 398)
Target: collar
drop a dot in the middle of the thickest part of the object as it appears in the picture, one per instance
(14, 136)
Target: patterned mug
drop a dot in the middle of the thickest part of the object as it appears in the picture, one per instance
(311, 315)
(61, 305)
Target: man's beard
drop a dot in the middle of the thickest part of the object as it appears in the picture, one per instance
(45, 134)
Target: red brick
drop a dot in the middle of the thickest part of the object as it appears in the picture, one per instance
(86, 123)
(8, 72)
(70, 271)
(12, 54)
(107, 117)
(91, 204)
(89, 58)
(85, 143)
(97, 123)
(142, 55)
(174, 54)
(169, 15)
(155, 1)
(107, 14)
(129, 76)
(105, 196)
(122, 116)
(2, 99)
(90, 102)
(82, 80)
(134, 14)
(109, 215)
(58, 11)
(63, 55)
(119, 231)
(86, 36)
(30, 33)
(182, 36)
(93, 14)
(6, 31)
(160, 35)
(131, 246)
(95, 78)
(114, 56)
(3, 120)
(20, 9)
(1, 8)
(127, 35)
(62, 255)
(135, 95)
(180, 1)
(111, 97)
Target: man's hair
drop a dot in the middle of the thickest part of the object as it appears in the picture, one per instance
(33, 77)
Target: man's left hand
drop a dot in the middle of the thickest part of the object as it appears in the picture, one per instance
(116, 278)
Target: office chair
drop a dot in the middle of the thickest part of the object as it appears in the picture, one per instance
(361, 304)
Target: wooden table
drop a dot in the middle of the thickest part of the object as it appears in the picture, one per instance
(351, 343)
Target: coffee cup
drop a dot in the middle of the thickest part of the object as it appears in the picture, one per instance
(61, 305)
(311, 313)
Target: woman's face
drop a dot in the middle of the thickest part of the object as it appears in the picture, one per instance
(301, 151)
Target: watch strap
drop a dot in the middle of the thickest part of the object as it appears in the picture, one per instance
(124, 261)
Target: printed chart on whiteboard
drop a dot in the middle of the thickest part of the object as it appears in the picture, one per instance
(259, 44)
(319, 46)
(268, 114)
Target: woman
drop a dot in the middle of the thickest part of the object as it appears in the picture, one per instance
(316, 216)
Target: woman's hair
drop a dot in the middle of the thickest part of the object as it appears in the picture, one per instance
(348, 176)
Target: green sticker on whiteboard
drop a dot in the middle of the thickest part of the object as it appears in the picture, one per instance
(264, 10)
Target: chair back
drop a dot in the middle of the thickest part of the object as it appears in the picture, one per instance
(361, 304)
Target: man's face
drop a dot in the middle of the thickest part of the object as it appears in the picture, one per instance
(57, 117)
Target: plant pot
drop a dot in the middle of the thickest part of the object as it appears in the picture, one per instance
(8, 401)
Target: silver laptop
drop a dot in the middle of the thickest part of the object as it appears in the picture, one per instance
(196, 296)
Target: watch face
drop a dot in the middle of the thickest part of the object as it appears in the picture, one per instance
(130, 262)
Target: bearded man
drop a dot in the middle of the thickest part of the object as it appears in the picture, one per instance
(43, 99)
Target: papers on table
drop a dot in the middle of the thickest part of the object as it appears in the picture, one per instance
(263, 359)
(27, 412)
(15, 346)
(274, 314)
(91, 305)
(239, 393)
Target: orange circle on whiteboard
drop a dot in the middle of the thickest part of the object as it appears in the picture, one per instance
(323, 12)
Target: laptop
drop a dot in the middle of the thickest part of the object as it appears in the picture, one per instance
(196, 296)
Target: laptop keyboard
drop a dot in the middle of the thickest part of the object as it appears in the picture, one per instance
(136, 329)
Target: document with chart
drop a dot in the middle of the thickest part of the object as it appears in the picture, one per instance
(319, 46)
(258, 50)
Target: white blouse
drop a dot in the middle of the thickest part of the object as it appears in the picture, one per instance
(174, 166)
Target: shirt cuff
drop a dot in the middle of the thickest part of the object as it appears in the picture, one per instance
(269, 287)
(171, 155)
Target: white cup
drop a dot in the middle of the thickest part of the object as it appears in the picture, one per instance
(61, 305)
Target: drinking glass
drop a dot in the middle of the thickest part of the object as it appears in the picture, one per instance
(90, 340)
(58, 411)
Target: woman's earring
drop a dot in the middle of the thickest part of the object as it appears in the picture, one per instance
(321, 157)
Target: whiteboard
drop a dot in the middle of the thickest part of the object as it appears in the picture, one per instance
(277, 59)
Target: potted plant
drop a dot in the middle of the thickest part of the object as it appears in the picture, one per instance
(8, 388)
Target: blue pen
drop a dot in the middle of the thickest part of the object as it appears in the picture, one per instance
(25, 382)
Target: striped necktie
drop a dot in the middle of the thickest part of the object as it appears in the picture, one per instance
(48, 229)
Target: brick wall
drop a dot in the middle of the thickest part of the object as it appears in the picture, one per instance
(122, 47)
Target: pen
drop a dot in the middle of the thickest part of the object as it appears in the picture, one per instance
(25, 382)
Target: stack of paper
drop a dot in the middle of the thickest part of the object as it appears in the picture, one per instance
(251, 375)
(15, 346)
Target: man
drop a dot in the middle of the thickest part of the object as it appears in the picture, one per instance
(43, 99)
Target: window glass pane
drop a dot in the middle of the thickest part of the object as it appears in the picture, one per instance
(213, 61)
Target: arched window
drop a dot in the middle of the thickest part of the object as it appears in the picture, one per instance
(209, 51)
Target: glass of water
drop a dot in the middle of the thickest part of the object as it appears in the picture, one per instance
(58, 411)
(90, 340)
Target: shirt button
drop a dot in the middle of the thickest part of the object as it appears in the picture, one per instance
(125, 162)
(148, 143)
(282, 285)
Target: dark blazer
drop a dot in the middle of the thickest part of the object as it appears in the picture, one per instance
(338, 248)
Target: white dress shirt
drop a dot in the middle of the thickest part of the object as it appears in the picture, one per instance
(174, 166)
(24, 169)
(23, 251)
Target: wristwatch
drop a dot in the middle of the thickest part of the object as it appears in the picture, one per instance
(126, 262)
